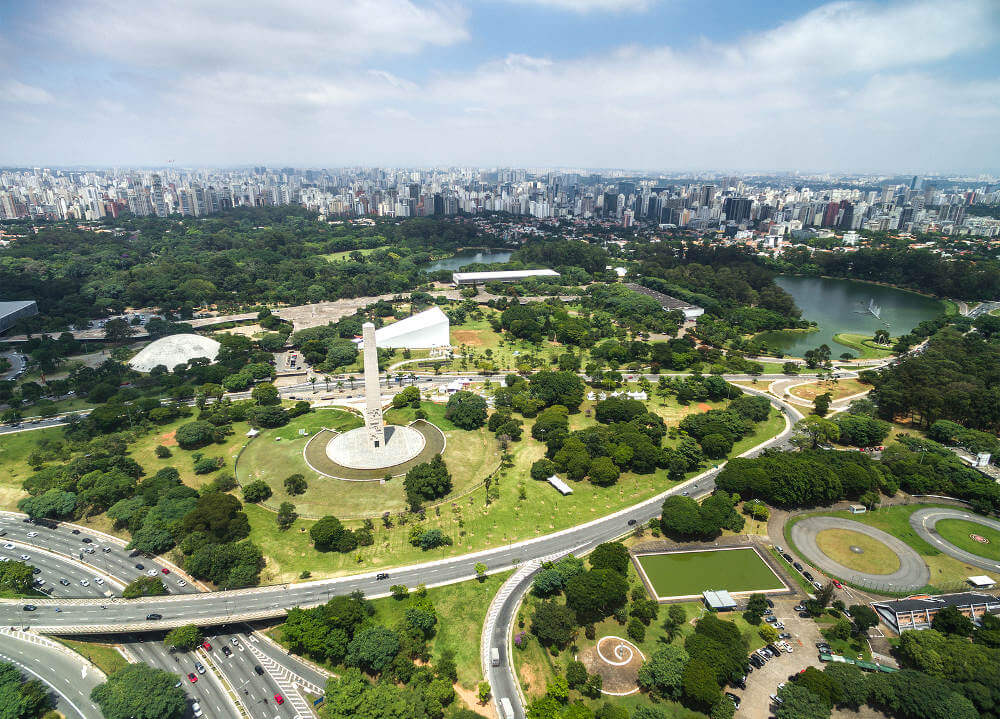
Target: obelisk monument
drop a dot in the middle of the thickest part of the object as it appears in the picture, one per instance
(373, 392)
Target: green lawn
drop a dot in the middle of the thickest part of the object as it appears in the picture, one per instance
(104, 656)
(689, 573)
(957, 532)
(14, 451)
(863, 345)
(342, 256)
(59, 407)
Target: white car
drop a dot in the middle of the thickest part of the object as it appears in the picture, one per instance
(84, 583)
(10, 545)
(181, 583)
(196, 708)
(98, 581)
(25, 557)
(236, 643)
(32, 534)
(150, 572)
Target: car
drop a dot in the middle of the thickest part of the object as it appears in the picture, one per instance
(196, 709)
(382, 575)
(788, 557)
(805, 615)
(818, 586)
(206, 646)
(89, 550)
(684, 493)
(105, 549)
(259, 669)
(32, 534)
(768, 612)
(837, 584)
(822, 645)
(800, 607)
(98, 581)
(278, 699)
(734, 699)
(86, 540)
(36, 570)
(84, 583)
(227, 651)
(10, 545)
(784, 635)
(150, 572)
(631, 522)
(75, 531)
(808, 575)
(181, 583)
(788, 648)
(847, 614)
(192, 678)
(779, 626)
(770, 604)
(200, 667)
(29, 607)
(140, 567)
(236, 643)
(771, 619)
(797, 566)
(740, 683)
(774, 650)
(780, 550)
(165, 570)
(64, 582)
(756, 661)
(775, 699)
(153, 617)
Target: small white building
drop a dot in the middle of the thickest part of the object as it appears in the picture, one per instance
(982, 582)
(719, 599)
(560, 485)
(857, 509)
(427, 329)
(476, 278)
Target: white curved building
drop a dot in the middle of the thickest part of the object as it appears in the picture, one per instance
(423, 330)
(173, 350)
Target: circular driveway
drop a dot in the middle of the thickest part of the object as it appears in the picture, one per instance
(923, 521)
(912, 573)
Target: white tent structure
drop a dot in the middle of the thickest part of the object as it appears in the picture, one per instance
(173, 350)
(424, 330)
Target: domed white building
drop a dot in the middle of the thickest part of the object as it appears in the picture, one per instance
(173, 350)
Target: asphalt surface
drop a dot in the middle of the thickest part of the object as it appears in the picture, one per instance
(924, 520)
(16, 365)
(69, 682)
(912, 573)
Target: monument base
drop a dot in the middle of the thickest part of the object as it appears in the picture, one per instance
(353, 449)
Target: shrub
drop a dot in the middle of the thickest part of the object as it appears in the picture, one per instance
(256, 491)
(161, 451)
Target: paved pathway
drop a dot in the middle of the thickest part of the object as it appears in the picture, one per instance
(923, 521)
(912, 573)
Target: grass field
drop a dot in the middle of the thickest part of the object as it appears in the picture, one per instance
(864, 346)
(876, 558)
(14, 451)
(104, 656)
(342, 256)
(839, 389)
(680, 574)
(957, 532)
(947, 574)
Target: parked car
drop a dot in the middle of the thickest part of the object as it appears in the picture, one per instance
(797, 566)
(734, 699)
(784, 635)
(775, 699)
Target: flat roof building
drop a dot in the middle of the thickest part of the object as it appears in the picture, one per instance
(719, 599)
(475, 278)
(14, 310)
(560, 485)
(424, 330)
(917, 612)
(668, 303)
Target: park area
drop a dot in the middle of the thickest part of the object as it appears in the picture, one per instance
(973, 537)
(838, 389)
(688, 574)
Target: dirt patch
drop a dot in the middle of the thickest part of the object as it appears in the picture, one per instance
(471, 699)
(839, 390)
(466, 337)
(169, 439)
(617, 661)
(702, 407)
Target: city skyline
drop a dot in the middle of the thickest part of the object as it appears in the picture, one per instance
(865, 87)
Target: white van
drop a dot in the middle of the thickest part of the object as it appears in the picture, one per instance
(495, 656)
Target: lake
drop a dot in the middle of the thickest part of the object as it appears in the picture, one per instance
(840, 306)
(468, 257)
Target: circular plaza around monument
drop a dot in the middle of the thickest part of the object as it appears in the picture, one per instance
(353, 449)
(329, 454)
(977, 546)
(899, 569)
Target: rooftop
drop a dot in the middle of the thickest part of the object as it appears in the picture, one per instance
(500, 275)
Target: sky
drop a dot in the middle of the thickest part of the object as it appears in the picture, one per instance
(672, 85)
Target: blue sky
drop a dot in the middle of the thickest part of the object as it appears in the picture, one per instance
(856, 86)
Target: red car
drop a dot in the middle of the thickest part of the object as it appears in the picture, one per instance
(278, 699)
(193, 677)
(206, 646)
(165, 570)
(837, 584)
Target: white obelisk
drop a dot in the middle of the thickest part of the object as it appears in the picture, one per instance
(373, 392)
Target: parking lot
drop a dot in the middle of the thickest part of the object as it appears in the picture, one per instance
(763, 682)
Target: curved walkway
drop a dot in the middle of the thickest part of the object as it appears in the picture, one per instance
(316, 457)
(912, 573)
(924, 520)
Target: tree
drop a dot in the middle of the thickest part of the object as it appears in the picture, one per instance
(864, 618)
(144, 587)
(663, 672)
(138, 691)
(604, 472)
(716, 446)
(186, 637)
(949, 620)
(480, 571)
(256, 491)
(21, 699)
(428, 480)
(610, 555)
(635, 629)
(814, 431)
(265, 394)
(407, 396)
(466, 410)
(483, 693)
(800, 703)
(554, 624)
(194, 435)
(821, 404)
(373, 648)
(16, 576)
(595, 594)
(286, 515)
(767, 633)
(218, 516)
(542, 469)
(327, 533)
(576, 674)
(118, 330)
(699, 685)
(53, 504)
(295, 484)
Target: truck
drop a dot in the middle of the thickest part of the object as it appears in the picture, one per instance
(506, 710)
(495, 657)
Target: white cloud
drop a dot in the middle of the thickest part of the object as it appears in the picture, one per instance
(586, 6)
(17, 92)
(241, 34)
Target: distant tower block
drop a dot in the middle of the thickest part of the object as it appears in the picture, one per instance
(373, 392)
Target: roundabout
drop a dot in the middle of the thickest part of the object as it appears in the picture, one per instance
(833, 545)
(960, 535)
